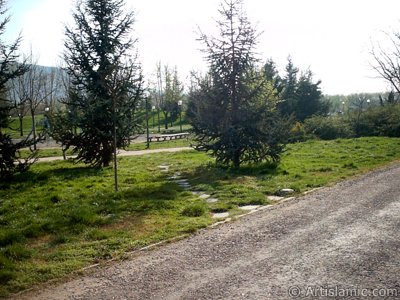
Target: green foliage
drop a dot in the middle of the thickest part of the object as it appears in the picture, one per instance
(328, 128)
(301, 96)
(377, 121)
(10, 157)
(298, 133)
(309, 98)
(194, 210)
(363, 121)
(105, 88)
(10, 68)
(232, 109)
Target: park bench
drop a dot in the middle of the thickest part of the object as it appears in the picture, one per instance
(168, 137)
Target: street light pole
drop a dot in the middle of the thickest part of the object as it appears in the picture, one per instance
(180, 114)
(115, 145)
(147, 124)
(46, 123)
(153, 108)
(158, 118)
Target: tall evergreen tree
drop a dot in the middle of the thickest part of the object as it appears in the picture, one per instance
(301, 96)
(232, 109)
(309, 98)
(289, 98)
(271, 74)
(106, 80)
(10, 68)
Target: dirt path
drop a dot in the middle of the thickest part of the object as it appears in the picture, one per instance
(336, 241)
(124, 153)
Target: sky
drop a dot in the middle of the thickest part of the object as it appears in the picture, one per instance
(332, 38)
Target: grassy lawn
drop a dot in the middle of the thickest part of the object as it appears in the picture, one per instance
(61, 216)
(161, 145)
(51, 152)
(153, 128)
(13, 131)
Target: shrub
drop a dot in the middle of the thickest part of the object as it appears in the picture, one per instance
(194, 210)
(328, 128)
(297, 133)
(377, 121)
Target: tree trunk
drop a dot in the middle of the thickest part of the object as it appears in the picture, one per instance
(34, 129)
(166, 120)
(107, 154)
(158, 120)
(21, 128)
(236, 159)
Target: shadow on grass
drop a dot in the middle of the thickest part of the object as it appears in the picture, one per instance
(212, 174)
(69, 173)
(29, 178)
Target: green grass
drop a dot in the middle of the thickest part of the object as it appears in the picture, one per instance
(60, 216)
(14, 132)
(153, 128)
(161, 145)
(53, 152)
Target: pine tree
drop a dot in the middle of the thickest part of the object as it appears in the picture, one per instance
(288, 104)
(10, 68)
(301, 96)
(106, 80)
(232, 108)
(309, 98)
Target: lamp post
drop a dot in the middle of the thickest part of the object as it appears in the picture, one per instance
(21, 125)
(368, 102)
(180, 114)
(158, 118)
(153, 108)
(46, 123)
(343, 107)
(147, 123)
(46, 111)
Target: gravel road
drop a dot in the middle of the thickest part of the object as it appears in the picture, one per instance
(336, 242)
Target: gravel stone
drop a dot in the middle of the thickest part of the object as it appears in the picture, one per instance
(222, 215)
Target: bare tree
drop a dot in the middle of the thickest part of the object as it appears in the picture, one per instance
(168, 92)
(31, 91)
(10, 68)
(52, 88)
(386, 61)
(358, 103)
(20, 106)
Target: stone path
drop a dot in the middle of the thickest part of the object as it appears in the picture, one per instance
(184, 184)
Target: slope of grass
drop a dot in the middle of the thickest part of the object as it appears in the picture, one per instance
(61, 216)
(14, 130)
